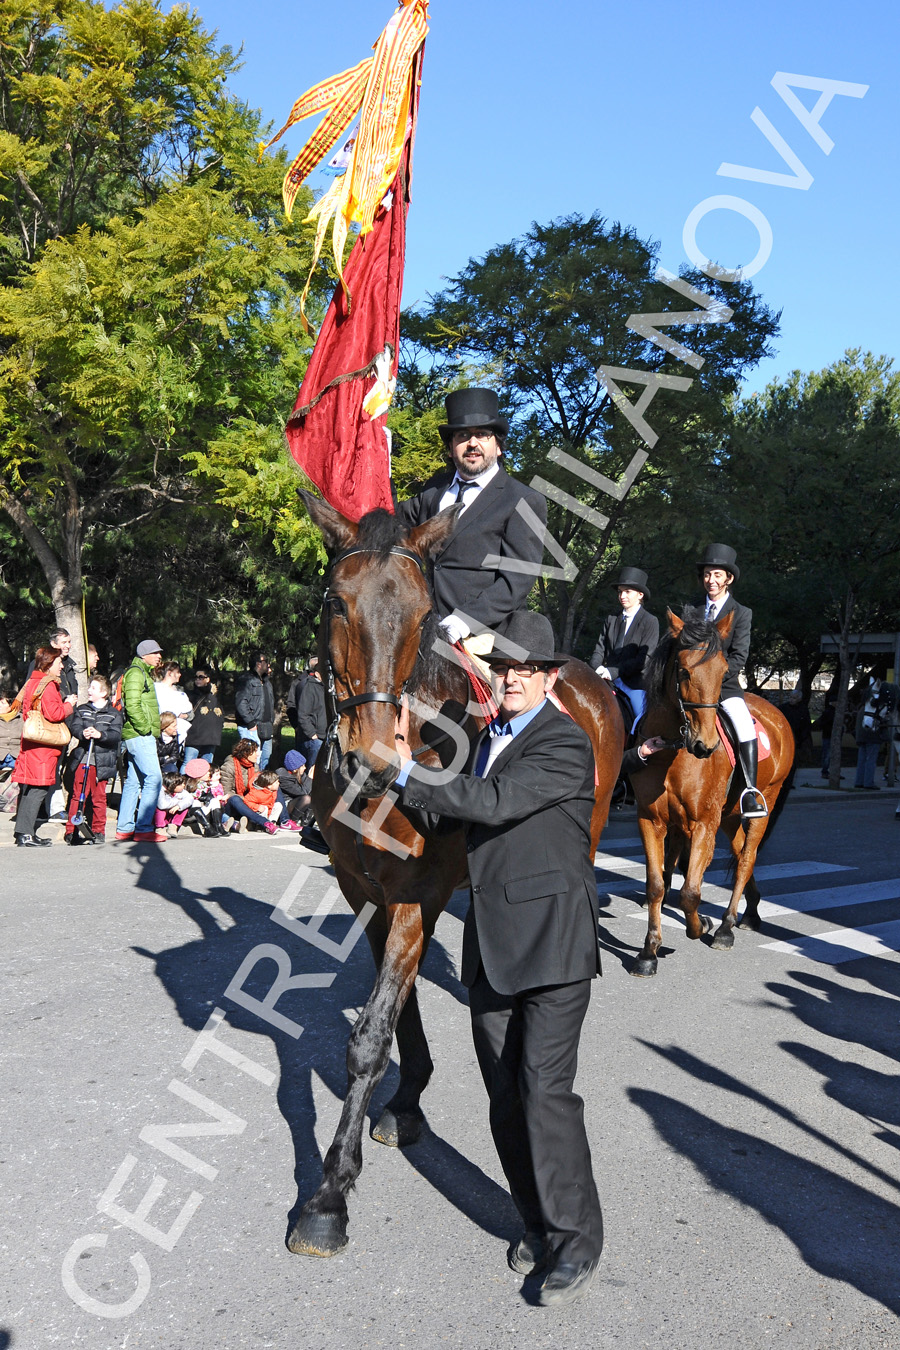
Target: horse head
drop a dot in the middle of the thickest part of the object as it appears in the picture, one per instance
(699, 666)
(376, 607)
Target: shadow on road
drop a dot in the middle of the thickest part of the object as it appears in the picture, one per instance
(196, 974)
(840, 1228)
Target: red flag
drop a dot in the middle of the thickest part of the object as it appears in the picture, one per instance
(334, 440)
(342, 447)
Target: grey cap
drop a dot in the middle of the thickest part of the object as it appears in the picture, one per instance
(148, 647)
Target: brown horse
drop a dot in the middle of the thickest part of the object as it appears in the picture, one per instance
(379, 639)
(684, 795)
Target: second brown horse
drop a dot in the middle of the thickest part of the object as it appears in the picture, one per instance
(380, 641)
(684, 795)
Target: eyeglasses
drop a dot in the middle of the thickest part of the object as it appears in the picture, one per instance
(476, 434)
(523, 672)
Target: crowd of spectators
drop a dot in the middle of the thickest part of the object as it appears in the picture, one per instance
(161, 740)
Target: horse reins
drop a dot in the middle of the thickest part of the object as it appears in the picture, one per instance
(341, 706)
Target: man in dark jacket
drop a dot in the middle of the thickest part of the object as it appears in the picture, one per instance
(205, 734)
(491, 560)
(254, 706)
(312, 722)
(529, 948)
(628, 638)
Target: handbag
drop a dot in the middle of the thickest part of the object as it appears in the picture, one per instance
(37, 728)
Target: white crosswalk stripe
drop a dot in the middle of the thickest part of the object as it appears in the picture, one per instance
(830, 946)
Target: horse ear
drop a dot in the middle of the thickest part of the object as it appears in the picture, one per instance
(337, 530)
(429, 538)
(725, 624)
(675, 624)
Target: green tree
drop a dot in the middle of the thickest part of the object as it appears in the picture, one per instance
(149, 336)
(811, 477)
(536, 318)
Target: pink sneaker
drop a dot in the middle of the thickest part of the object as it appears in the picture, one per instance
(288, 825)
(150, 837)
(270, 827)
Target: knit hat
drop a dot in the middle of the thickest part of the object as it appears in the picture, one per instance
(196, 768)
(293, 761)
(148, 647)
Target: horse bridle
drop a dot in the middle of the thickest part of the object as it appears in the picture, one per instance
(684, 705)
(341, 706)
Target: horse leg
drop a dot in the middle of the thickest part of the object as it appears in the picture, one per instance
(402, 1119)
(703, 843)
(645, 963)
(750, 917)
(321, 1229)
(723, 941)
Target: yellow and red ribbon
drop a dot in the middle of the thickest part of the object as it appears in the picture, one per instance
(379, 89)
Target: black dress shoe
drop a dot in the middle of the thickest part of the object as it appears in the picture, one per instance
(567, 1282)
(31, 841)
(528, 1255)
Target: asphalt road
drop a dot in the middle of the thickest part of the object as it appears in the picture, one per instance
(742, 1108)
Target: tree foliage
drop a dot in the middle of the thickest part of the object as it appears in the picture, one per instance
(536, 318)
(149, 334)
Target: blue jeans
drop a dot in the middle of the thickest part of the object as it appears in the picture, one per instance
(198, 752)
(236, 806)
(265, 747)
(309, 750)
(142, 784)
(866, 759)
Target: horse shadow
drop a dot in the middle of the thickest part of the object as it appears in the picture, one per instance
(852, 1017)
(841, 1229)
(196, 974)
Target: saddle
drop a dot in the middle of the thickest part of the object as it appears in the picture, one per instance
(729, 740)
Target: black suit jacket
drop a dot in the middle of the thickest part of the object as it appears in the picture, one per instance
(736, 645)
(626, 660)
(490, 527)
(533, 916)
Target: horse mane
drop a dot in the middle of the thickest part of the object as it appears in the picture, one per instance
(697, 632)
(379, 531)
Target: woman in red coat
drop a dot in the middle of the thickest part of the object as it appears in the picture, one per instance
(36, 766)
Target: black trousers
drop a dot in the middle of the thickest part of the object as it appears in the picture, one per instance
(527, 1048)
(31, 799)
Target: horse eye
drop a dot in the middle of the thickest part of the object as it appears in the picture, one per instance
(425, 618)
(337, 606)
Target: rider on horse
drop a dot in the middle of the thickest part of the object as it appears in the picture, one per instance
(627, 640)
(718, 570)
(477, 578)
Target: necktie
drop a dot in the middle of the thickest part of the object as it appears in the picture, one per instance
(710, 611)
(462, 488)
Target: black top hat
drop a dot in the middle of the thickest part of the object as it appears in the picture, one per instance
(720, 555)
(634, 578)
(473, 408)
(527, 638)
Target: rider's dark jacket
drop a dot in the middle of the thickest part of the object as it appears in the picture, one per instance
(491, 527)
(736, 645)
(626, 660)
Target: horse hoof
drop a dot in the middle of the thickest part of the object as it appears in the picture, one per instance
(722, 942)
(752, 925)
(399, 1130)
(644, 966)
(318, 1235)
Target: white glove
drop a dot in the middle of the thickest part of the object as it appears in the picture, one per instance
(603, 673)
(455, 628)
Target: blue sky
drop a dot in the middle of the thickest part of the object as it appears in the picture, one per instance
(531, 111)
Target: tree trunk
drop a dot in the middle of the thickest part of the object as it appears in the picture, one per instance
(63, 577)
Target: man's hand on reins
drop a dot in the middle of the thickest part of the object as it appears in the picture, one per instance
(401, 744)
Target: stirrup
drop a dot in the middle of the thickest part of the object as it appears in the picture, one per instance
(753, 804)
